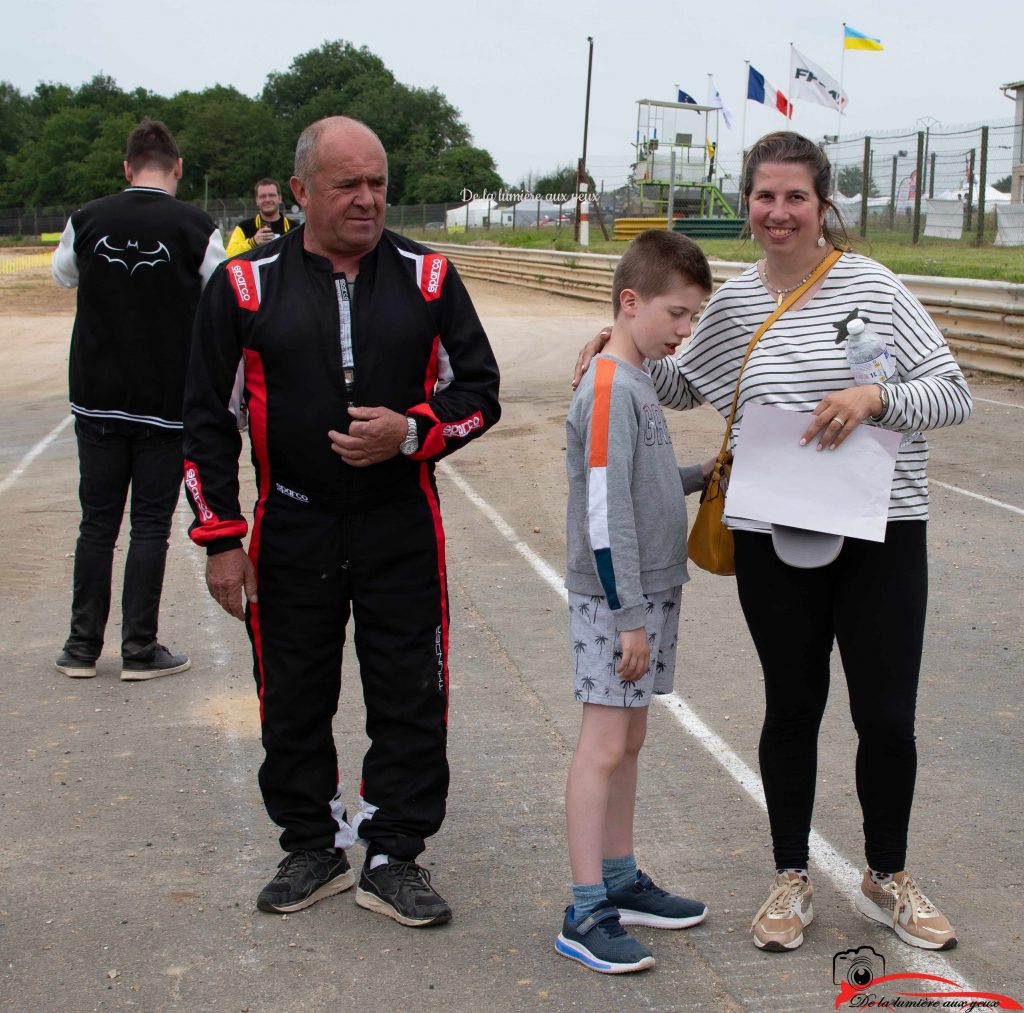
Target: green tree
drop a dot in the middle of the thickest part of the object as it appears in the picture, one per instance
(851, 182)
(454, 170)
(1004, 185)
(227, 142)
(60, 166)
(414, 124)
(15, 118)
(62, 145)
(561, 180)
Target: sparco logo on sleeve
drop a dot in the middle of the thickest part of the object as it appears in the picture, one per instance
(462, 429)
(243, 281)
(434, 268)
(196, 492)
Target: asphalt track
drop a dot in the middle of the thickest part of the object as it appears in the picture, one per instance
(135, 837)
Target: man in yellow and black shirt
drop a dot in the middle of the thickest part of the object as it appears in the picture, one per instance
(266, 226)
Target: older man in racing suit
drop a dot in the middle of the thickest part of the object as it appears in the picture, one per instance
(365, 363)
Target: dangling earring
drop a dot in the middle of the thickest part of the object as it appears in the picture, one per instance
(821, 239)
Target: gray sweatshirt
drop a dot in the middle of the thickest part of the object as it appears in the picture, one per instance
(626, 516)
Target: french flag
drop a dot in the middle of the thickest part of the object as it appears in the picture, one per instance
(760, 90)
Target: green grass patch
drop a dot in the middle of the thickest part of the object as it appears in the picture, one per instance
(944, 258)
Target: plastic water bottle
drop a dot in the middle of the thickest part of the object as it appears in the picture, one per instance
(869, 359)
(868, 354)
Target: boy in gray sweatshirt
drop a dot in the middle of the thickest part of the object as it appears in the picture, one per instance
(626, 536)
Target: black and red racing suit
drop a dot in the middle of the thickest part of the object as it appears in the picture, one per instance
(329, 539)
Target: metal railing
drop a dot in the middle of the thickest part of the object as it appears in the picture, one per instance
(983, 321)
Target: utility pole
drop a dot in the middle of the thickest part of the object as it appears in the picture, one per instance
(581, 172)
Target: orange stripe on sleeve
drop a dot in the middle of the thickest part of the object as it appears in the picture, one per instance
(605, 370)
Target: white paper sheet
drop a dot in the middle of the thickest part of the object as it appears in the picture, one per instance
(844, 491)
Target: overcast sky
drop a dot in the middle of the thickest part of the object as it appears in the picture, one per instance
(518, 72)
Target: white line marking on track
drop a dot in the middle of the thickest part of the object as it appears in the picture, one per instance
(843, 873)
(1004, 404)
(977, 495)
(23, 464)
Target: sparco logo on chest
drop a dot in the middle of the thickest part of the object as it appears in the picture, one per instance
(435, 275)
(240, 284)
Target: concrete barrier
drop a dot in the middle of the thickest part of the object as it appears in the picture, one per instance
(983, 321)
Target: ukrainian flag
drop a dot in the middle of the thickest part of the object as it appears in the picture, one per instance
(852, 39)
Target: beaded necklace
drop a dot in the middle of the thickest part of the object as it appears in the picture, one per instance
(781, 293)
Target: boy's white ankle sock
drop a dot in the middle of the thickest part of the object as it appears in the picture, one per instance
(377, 861)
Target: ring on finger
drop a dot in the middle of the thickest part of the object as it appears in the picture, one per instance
(842, 422)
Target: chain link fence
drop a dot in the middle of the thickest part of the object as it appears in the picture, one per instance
(946, 182)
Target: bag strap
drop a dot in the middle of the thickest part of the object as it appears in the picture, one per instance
(793, 296)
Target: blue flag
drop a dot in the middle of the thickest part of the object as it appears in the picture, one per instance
(683, 97)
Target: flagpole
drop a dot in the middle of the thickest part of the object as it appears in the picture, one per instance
(842, 89)
(707, 126)
(792, 104)
(746, 100)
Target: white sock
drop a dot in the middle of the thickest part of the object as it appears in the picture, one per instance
(377, 861)
(880, 878)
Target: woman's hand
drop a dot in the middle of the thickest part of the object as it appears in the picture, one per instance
(589, 350)
(839, 413)
(709, 466)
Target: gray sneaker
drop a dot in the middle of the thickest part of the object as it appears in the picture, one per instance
(75, 668)
(160, 662)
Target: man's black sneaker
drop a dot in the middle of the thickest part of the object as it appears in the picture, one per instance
(304, 877)
(402, 890)
(160, 662)
(75, 668)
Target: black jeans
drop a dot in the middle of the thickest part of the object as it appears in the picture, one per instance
(113, 455)
(872, 601)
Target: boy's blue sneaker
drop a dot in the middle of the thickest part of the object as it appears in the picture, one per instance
(645, 903)
(600, 943)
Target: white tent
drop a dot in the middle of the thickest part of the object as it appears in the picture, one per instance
(479, 213)
(992, 195)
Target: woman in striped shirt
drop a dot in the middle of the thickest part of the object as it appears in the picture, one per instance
(872, 598)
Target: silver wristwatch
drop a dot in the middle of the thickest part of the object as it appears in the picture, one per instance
(884, 395)
(411, 443)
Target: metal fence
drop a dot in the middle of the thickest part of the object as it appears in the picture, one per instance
(933, 181)
(907, 173)
(226, 212)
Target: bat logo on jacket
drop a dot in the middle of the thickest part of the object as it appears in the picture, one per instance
(131, 256)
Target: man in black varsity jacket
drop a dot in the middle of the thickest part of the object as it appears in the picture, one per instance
(266, 225)
(140, 259)
(365, 363)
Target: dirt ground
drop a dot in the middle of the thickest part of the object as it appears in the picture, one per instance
(135, 840)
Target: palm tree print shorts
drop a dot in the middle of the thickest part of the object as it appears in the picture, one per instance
(595, 650)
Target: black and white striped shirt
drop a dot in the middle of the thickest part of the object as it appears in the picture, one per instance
(797, 361)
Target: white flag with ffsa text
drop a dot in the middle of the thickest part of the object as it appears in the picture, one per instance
(808, 81)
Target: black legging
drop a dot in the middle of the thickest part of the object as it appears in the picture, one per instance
(872, 601)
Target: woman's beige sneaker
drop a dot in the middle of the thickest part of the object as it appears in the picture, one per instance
(902, 906)
(779, 925)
